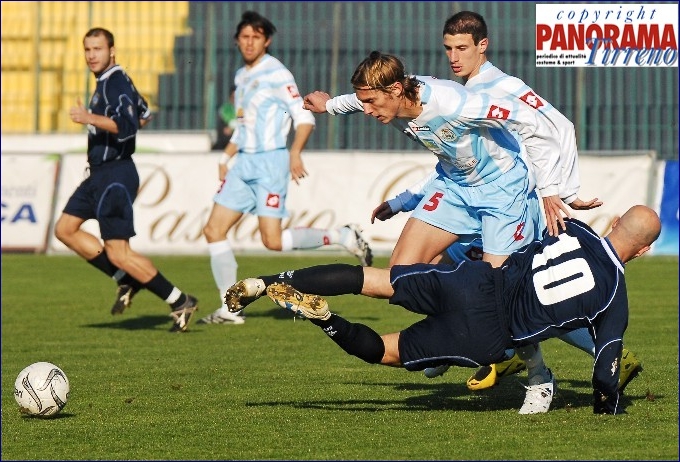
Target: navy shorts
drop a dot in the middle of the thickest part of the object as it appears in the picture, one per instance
(107, 196)
(464, 323)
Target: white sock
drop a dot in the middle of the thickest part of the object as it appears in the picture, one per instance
(308, 238)
(224, 266)
(536, 369)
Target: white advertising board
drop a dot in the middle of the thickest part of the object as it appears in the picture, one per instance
(28, 182)
(176, 193)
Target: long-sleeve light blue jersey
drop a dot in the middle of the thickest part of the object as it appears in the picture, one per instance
(461, 128)
(267, 100)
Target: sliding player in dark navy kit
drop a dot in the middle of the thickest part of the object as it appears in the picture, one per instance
(473, 312)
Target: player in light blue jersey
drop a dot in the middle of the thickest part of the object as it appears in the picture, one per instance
(465, 42)
(267, 105)
(483, 185)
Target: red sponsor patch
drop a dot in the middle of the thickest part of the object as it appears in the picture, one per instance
(497, 112)
(273, 201)
(292, 89)
(532, 100)
(518, 236)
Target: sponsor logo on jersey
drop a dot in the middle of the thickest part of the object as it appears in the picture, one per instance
(292, 89)
(418, 128)
(431, 145)
(497, 112)
(532, 100)
(465, 163)
(273, 201)
(518, 236)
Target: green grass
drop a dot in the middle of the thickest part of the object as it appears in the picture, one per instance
(275, 388)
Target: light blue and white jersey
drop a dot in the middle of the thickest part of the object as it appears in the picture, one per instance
(462, 129)
(498, 84)
(267, 101)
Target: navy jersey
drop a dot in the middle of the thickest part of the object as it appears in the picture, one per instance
(568, 281)
(116, 98)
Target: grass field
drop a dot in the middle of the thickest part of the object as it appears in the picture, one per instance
(275, 388)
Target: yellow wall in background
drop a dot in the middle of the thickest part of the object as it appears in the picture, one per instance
(43, 63)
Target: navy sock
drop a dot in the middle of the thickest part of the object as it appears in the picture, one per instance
(162, 288)
(333, 279)
(356, 339)
(103, 264)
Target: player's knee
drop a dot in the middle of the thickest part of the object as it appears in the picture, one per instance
(271, 243)
(62, 232)
(212, 233)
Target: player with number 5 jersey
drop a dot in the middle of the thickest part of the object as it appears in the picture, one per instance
(483, 186)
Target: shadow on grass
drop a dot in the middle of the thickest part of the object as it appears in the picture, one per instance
(61, 415)
(451, 397)
(135, 323)
(279, 313)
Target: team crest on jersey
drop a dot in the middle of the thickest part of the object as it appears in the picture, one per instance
(273, 201)
(532, 100)
(292, 89)
(95, 99)
(446, 134)
(497, 112)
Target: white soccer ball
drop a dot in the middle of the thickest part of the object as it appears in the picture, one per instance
(41, 389)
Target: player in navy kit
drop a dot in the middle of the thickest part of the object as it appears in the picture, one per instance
(473, 312)
(115, 113)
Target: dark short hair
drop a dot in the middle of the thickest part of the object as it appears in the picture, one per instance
(97, 31)
(257, 22)
(466, 22)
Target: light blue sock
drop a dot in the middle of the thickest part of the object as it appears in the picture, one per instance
(537, 371)
(581, 339)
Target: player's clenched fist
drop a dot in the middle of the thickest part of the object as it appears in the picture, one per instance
(316, 102)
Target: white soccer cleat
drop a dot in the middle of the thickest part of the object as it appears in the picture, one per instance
(539, 397)
(243, 293)
(303, 305)
(432, 372)
(358, 246)
(221, 316)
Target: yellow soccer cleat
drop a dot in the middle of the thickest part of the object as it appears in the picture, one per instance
(485, 377)
(630, 368)
(488, 376)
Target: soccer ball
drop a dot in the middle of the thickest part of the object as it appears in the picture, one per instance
(41, 389)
